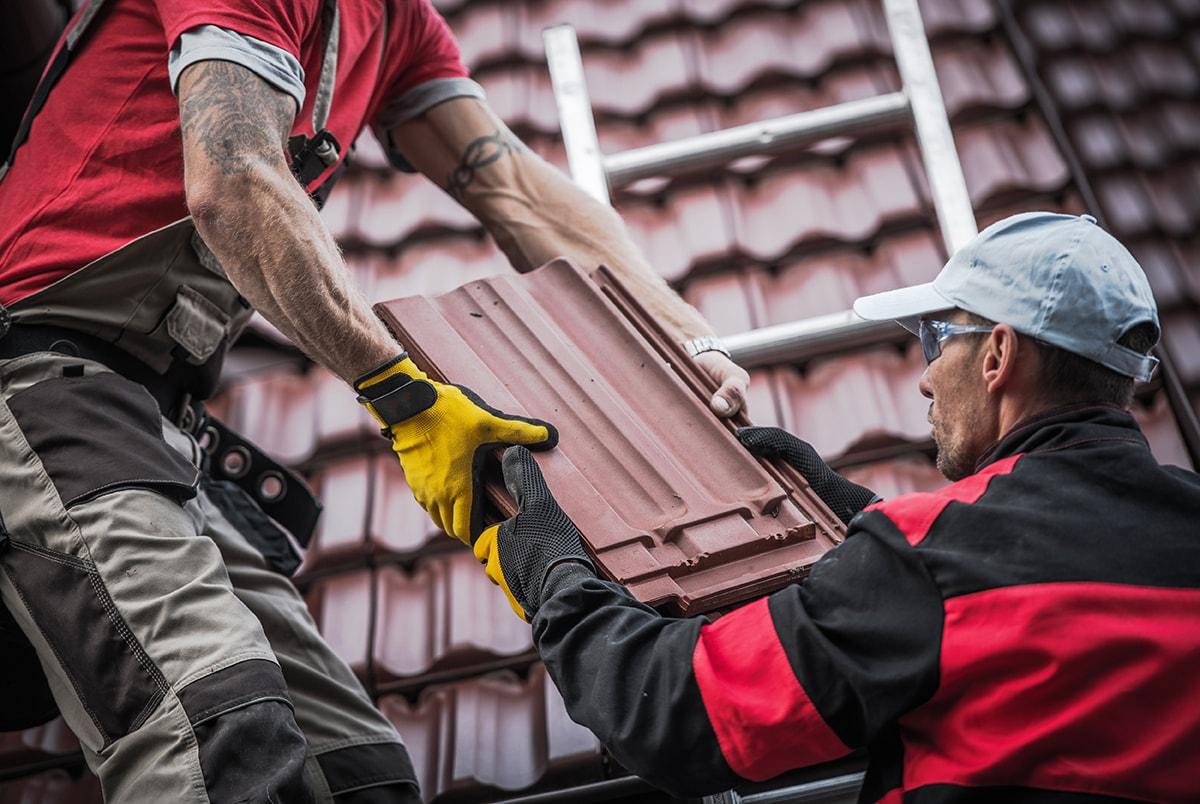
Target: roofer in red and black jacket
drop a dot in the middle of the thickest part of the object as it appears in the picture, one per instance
(1029, 633)
(163, 185)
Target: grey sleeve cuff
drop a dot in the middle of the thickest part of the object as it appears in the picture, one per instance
(415, 103)
(272, 64)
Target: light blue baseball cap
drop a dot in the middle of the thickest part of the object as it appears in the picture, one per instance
(1058, 278)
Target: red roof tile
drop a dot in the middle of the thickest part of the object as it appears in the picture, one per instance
(39, 744)
(693, 226)
(856, 401)
(1162, 431)
(445, 615)
(1121, 80)
(398, 525)
(277, 411)
(400, 206)
(901, 476)
(823, 202)
(744, 49)
(724, 300)
(565, 353)
(830, 282)
(493, 734)
(342, 607)
(52, 787)
(614, 22)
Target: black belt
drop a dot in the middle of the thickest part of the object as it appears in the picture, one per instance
(172, 399)
(279, 492)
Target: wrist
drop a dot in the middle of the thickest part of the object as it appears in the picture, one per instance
(398, 392)
(705, 343)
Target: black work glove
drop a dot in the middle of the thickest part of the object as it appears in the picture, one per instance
(844, 498)
(518, 553)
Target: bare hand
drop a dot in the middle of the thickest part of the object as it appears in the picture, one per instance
(733, 379)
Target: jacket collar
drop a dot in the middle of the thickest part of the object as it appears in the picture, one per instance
(1064, 427)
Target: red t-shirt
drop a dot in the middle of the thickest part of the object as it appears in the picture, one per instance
(103, 163)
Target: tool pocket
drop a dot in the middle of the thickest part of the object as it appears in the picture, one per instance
(25, 699)
(99, 433)
(111, 674)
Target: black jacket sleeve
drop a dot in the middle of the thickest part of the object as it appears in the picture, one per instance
(801, 677)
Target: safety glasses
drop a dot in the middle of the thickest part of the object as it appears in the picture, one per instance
(932, 333)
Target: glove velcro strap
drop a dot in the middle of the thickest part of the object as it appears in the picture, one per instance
(399, 398)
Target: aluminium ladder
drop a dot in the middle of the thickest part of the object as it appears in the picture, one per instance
(919, 103)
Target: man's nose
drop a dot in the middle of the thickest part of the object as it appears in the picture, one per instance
(925, 386)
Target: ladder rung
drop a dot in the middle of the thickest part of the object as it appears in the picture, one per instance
(766, 137)
(801, 340)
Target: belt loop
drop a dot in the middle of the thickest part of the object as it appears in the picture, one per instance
(186, 419)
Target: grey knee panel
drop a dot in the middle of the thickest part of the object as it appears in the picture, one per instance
(251, 749)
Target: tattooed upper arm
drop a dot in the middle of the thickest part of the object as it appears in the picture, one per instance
(231, 117)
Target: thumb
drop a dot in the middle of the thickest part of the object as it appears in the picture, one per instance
(769, 441)
(522, 477)
(729, 398)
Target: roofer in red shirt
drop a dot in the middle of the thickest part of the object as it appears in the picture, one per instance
(1031, 632)
(158, 192)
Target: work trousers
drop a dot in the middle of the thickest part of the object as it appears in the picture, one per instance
(188, 668)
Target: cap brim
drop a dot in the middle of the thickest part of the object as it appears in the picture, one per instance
(903, 305)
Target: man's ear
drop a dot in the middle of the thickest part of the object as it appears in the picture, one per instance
(1000, 353)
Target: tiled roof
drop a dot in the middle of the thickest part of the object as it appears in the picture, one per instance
(759, 242)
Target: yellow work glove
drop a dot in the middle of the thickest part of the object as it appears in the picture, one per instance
(442, 434)
(519, 553)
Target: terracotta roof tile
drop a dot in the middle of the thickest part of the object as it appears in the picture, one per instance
(1122, 80)
(823, 202)
(615, 22)
(340, 537)
(723, 300)
(276, 411)
(692, 226)
(400, 206)
(573, 354)
(744, 49)
(445, 615)
(857, 401)
(398, 525)
(890, 479)
(1007, 160)
(1183, 328)
(342, 607)
(1162, 431)
(1170, 268)
(486, 33)
(52, 787)
(830, 282)
(37, 745)
(460, 736)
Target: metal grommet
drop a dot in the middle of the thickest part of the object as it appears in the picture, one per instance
(235, 462)
(65, 347)
(271, 486)
(208, 440)
(187, 419)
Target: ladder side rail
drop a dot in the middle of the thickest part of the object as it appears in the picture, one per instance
(951, 201)
(575, 111)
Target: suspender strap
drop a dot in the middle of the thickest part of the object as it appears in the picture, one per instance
(329, 59)
(319, 152)
(89, 14)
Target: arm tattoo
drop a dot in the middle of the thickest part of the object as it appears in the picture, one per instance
(233, 115)
(480, 153)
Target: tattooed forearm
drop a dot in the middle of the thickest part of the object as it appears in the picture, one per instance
(478, 154)
(232, 116)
